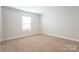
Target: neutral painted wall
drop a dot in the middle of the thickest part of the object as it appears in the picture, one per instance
(0, 25)
(61, 21)
(12, 23)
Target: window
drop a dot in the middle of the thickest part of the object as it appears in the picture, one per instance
(26, 23)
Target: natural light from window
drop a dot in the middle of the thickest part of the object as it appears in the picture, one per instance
(26, 23)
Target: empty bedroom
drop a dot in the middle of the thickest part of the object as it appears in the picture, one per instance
(39, 28)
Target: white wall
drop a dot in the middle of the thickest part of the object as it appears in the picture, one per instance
(12, 24)
(61, 21)
(0, 25)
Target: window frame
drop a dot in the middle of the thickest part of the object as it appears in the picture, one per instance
(26, 28)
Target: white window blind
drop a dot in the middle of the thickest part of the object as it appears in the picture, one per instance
(26, 23)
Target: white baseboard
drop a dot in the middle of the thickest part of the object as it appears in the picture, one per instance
(64, 37)
(19, 36)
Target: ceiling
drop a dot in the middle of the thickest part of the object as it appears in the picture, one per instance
(33, 9)
(43, 9)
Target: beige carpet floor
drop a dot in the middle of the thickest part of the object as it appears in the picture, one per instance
(39, 43)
